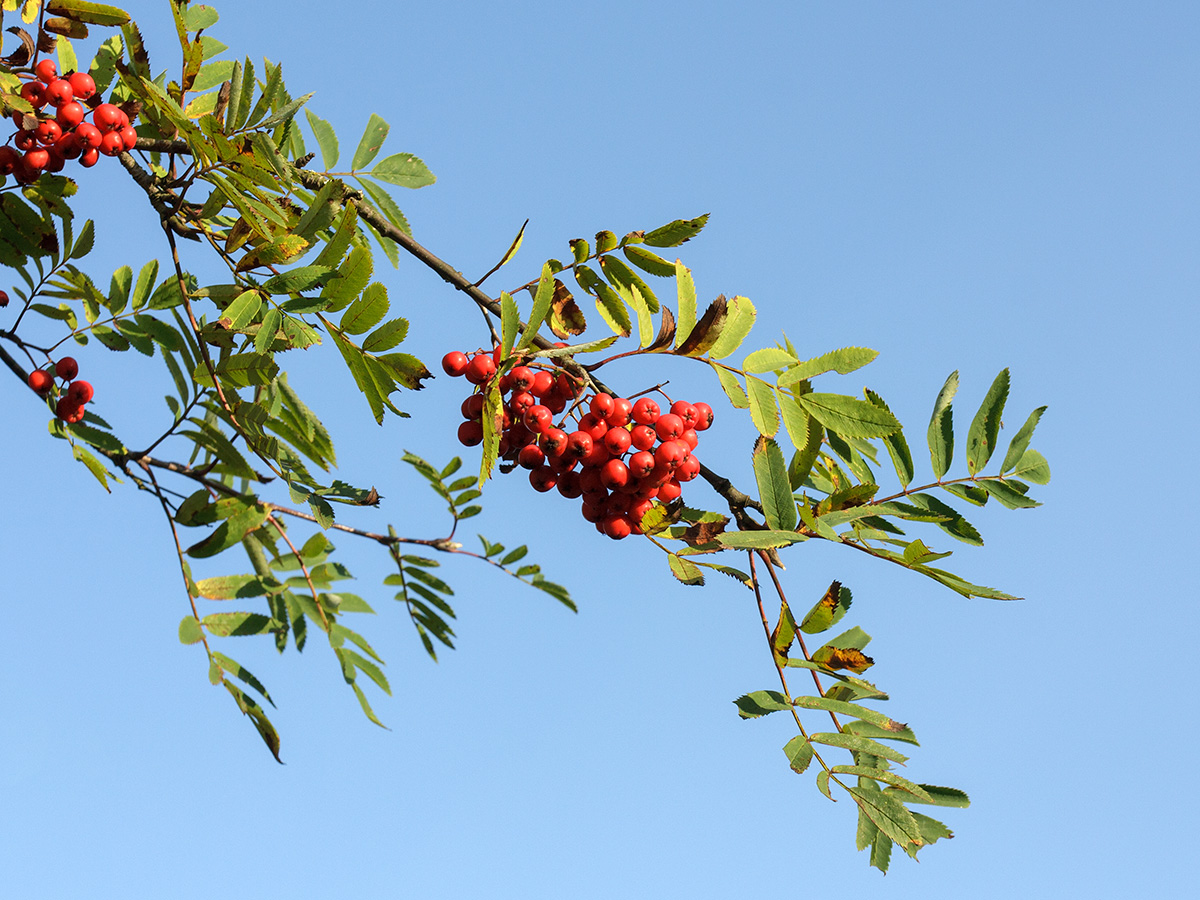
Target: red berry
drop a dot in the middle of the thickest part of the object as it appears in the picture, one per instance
(643, 437)
(543, 479)
(25, 141)
(82, 85)
(472, 407)
(617, 527)
(568, 485)
(579, 444)
(704, 416)
(3, 298)
(479, 369)
(89, 136)
(553, 442)
(8, 160)
(555, 402)
(470, 434)
(89, 157)
(639, 509)
(589, 481)
(591, 513)
(537, 418)
(81, 390)
(522, 401)
(687, 412)
(690, 438)
(522, 378)
(37, 160)
(543, 384)
(641, 464)
(594, 426)
(617, 441)
(112, 143)
(562, 463)
(48, 132)
(68, 409)
(668, 427)
(34, 94)
(454, 363)
(618, 417)
(59, 92)
(40, 380)
(69, 115)
(645, 411)
(601, 405)
(106, 116)
(67, 368)
(46, 70)
(688, 469)
(598, 457)
(67, 146)
(670, 454)
(129, 137)
(615, 474)
(669, 491)
(567, 385)
(55, 163)
(531, 457)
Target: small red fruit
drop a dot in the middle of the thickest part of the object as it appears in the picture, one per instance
(25, 140)
(8, 160)
(537, 418)
(669, 491)
(543, 479)
(615, 474)
(3, 298)
(670, 454)
(106, 116)
(568, 485)
(641, 464)
(70, 114)
(688, 469)
(37, 160)
(704, 416)
(67, 146)
(48, 132)
(643, 437)
(46, 70)
(617, 527)
(522, 378)
(690, 438)
(82, 391)
(454, 363)
(67, 368)
(602, 405)
(470, 434)
(112, 143)
(594, 426)
(68, 409)
(531, 457)
(40, 380)
(34, 94)
(82, 85)
(645, 411)
(617, 441)
(472, 407)
(543, 384)
(618, 416)
(554, 442)
(579, 444)
(685, 411)
(59, 92)
(522, 401)
(479, 369)
(668, 427)
(89, 157)
(89, 136)
(129, 137)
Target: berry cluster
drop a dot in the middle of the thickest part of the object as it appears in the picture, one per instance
(71, 400)
(628, 453)
(46, 140)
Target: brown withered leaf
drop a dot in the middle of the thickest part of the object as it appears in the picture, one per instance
(666, 331)
(707, 330)
(49, 242)
(566, 318)
(372, 498)
(66, 27)
(785, 631)
(46, 42)
(22, 54)
(238, 233)
(838, 658)
(704, 532)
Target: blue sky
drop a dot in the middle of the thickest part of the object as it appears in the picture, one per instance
(959, 186)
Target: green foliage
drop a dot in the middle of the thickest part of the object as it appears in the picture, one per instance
(239, 461)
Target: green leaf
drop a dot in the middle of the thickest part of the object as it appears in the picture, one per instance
(621, 276)
(985, 427)
(1020, 442)
(493, 412)
(368, 147)
(510, 319)
(799, 753)
(386, 336)
(87, 12)
(326, 139)
(889, 815)
(897, 446)
(1008, 494)
(685, 570)
(612, 309)
(739, 319)
(239, 624)
(261, 723)
(767, 360)
(93, 465)
(763, 411)
(941, 796)
(1032, 467)
(229, 587)
(770, 472)
(758, 540)
(647, 261)
(867, 729)
(541, 306)
(675, 233)
(850, 709)
(732, 387)
(829, 610)
(355, 272)
(642, 309)
(686, 291)
(760, 703)
(953, 524)
(849, 416)
(843, 361)
(941, 428)
(367, 311)
(858, 743)
(299, 279)
(403, 169)
(190, 631)
(272, 319)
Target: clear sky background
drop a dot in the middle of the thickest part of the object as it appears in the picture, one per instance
(957, 185)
